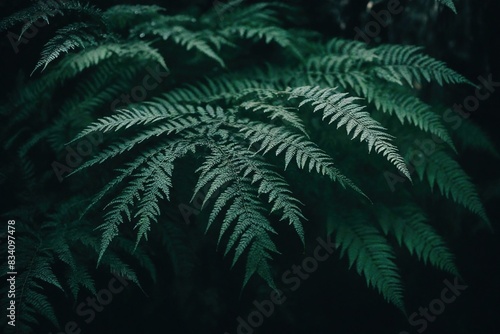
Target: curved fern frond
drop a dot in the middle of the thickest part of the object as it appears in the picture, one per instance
(123, 16)
(154, 180)
(439, 168)
(368, 250)
(409, 108)
(277, 112)
(410, 227)
(267, 34)
(42, 10)
(180, 35)
(450, 4)
(250, 229)
(471, 136)
(400, 63)
(307, 155)
(68, 38)
(337, 107)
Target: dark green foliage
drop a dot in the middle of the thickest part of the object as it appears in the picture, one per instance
(250, 131)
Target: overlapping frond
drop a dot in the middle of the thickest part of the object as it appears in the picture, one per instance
(368, 250)
(406, 64)
(342, 109)
(411, 228)
(440, 168)
(250, 138)
(244, 219)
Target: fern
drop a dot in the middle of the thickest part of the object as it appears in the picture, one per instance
(56, 242)
(251, 228)
(68, 38)
(411, 229)
(439, 168)
(450, 4)
(409, 108)
(259, 139)
(45, 9)
(403, 64)
(337, 107)
(367, 248)
(182, 36)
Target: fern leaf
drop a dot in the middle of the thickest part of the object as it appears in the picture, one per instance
(306, 153)
(337, 107)
(179, 35)
(411, 229)
(68, 38)
(79, 277)
(156, 187)
(368, 250)
(271, 184)
(74, 64)
(409, 108)
(439, 168)
(277, 111)
(250, 228)
(471, 136)
(450, 4)
(123, 16)
(267, 34)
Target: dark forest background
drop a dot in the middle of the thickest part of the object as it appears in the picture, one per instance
(469, 43)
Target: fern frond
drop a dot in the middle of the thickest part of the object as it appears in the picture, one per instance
(123, 16)
(43, 10)
(267, 33)
(250, 227)
(471, 136)
(269, 183)
(369, 251)
(409, 108)
(153, 179)
(79, 277)
(37, 270)
(400, 63)
(234, 14)
(277, 111)
(68, 38)
(439, 168)
(342, 46)
(337, 107)
(450, 4)
(306, 153)
(175, 125)
(226, 88)
(76, 63)
(410, 226)
(141, 255)
(181, 36)
(156, 187)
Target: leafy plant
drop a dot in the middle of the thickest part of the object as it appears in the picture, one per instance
(251, 111)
